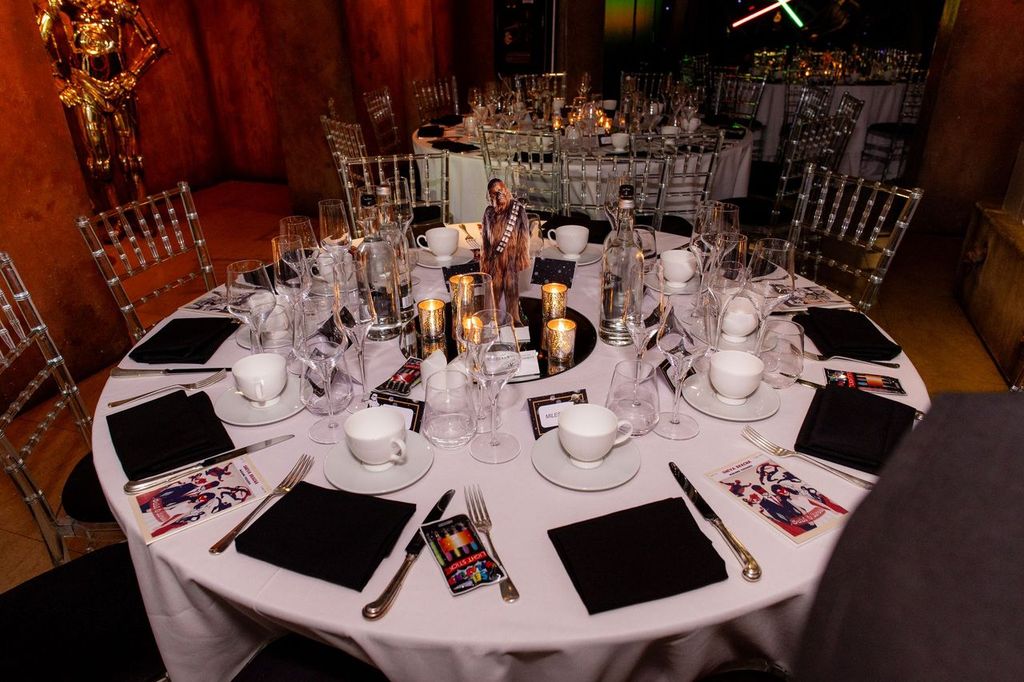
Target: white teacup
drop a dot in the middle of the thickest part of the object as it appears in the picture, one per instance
(589, 432)
(609, 104)
(620, 141)
(376, 437)
(740, 319)
(679, 266)
(571, 240)
(443, 242)
(735, 375)
(261, 378)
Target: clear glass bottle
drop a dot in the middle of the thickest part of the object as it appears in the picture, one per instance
(377, 273)
(366, 218)
(622, 268)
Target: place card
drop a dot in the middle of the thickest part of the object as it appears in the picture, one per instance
(544, 410)
(547, 270)
(529, 365)
(464, 269)
(412, 410)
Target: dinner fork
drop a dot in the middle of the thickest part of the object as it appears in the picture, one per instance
(818, 356)
(482, 520)
(779, 451)
(194, 386)
(297, 473)
(473, 244)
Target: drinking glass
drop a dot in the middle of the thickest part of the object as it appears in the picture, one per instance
(448, 420)
(471, 293)
(323, 350)
(633, 395)
(299, 226)
(678, 339)
(782, 351)
(402, 206)
(291, 279)
(333, 224)
(492, 354)
(250, 297)
(771, 279)
(353, 312)
(648, 241)
(723, 285)
(642, 318)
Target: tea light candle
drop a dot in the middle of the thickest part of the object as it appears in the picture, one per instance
(561, 340)
(471, 328)
(431, 318)
(553, 296)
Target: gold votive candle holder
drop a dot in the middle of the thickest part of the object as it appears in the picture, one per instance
(552, 300)
(561, 340)
(430, 346)
(431, 318)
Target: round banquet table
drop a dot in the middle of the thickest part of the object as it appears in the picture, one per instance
(468, 179)
(881, 103)
(210, 614)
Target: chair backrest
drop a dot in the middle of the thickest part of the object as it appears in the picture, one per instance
(26, 348)
(738, 96)
(528, 163)
(145, 249)
(553, 83)
(810, 141)
(846, 231)
(913, 97)
(343, 139)
(650, 84)
(427, 174)
(382, 119)
(844, 122)
(694, 70)
(588, 182)
(689, 175)
(435, 98)
(806, 100)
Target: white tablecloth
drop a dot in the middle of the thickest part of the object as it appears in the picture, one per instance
(210, 614)
(468, 180)
(881, 104)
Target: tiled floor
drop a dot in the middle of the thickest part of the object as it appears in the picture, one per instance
(916, 306)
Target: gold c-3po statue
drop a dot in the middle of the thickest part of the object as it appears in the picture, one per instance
(99, 49)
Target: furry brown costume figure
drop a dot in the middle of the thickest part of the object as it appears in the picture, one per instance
(506, 250)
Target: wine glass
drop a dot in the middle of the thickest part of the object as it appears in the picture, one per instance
(333, 224)
(771, 279)
(471, 293)
(299, 226)
(642, 317)
(492, 354)
(250, 297)
(353, 312)
(291, 280)
(324, 352)
(402, 206)
(678, 339)
(728, 280)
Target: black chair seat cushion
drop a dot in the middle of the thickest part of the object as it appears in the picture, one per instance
(423, 215)
(82, 620)
(82, 497)
(892, 129)
(675, 224)
(296, 658)
(754, 211)
(764, 178)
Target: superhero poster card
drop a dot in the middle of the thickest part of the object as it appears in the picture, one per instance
(796, 508)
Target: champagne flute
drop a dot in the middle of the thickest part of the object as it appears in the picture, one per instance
(324, 352)
(291, 279)
(402, 205)
(678, 340)
(250, 297)
(642, 317)
(493, 359)
(353, 312)
(471, 293)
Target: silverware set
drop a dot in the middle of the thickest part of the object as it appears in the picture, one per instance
(194, 386)
(779, 451)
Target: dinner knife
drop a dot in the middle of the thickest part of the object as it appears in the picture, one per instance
(751, 569)
(118, 372)
(380, 606)
(138, 485)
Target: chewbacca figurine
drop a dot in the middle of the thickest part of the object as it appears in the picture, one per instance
(506, 250)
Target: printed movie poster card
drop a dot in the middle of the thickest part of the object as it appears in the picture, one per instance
(796, 508)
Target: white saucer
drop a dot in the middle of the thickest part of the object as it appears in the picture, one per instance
(591, 254)
(232, 407)
(551, 462)
(688, 287)
(699, 395)
(429, 260)
(344, 471)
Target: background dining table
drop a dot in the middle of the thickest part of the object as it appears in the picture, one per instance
(211, 613)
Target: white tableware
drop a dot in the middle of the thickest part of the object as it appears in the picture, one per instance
(699, 395)
(590, 255)
(376, 437)
(739, 320)
(679, 265)
(651, 282)
(620, 141)
(692, 125)
(261, 378)
(442, 242)
(588, 433)
(571, 240)
(345, 472)
(233, 408)
(552, 462)
(734, 375)
(429, 260)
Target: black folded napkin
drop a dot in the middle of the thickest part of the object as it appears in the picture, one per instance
(430, 131)
(333, 535)
(854, 428)
(637, 555)
(454, 146)
(447, 120)
(847, 333)
(167, 432)
(188, 339)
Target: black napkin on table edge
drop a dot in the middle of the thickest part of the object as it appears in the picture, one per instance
(454, 146)
(853, 427)
(187, 340)
(447, 120)
(846, 332)
(430, 131)
(167, 432)
(333, 535)
(636, 555)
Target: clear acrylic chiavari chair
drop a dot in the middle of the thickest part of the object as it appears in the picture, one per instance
(382, 120)
(343, 139)
(435, 98)
(527, 161)
(689, 175)
(155, 245)
(31, 365)
(590, 184)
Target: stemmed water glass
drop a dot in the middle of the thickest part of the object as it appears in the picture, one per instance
(492, 354)
(678, 340)
(642, 318)
(291, 280)
(771, 278)
(353, 312)
(299, 226)
(724, 284)
(250, 297)
(402, 206)
(333, 224)
(323, 352)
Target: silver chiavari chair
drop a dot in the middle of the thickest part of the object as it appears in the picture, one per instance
(343, 139)
(435, 98)
(149, 243)
(382, 120)
(527, 160)
(28, 350)
(688, 177)
(846, 231)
